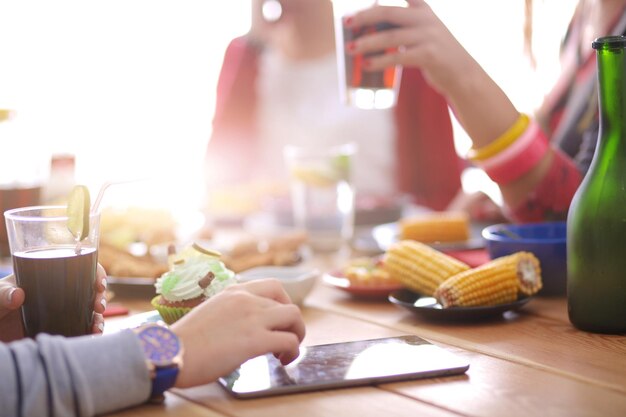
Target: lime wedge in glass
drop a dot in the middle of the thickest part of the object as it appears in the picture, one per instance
(78, 206)
(341, 165)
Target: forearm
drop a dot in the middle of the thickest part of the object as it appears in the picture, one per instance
(72, 377)
(475, 99)
(480, 105)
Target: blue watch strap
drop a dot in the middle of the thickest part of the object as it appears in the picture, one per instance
(164, 380)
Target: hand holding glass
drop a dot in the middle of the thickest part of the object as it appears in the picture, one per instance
(357, 86)
(57, 275)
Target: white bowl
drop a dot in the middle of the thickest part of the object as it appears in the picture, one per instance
(297, 281)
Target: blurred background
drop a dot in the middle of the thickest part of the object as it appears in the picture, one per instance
(125, 89)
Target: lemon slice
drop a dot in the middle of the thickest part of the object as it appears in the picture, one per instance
(78, 206)
(314, 176)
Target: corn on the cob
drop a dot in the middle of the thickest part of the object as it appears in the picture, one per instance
(497, 282)
(420, 267)
(436, 227)
(529, 274)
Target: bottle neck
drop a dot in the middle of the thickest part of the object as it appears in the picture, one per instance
(611, 63)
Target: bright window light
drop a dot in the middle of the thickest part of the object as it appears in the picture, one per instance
(128, 86)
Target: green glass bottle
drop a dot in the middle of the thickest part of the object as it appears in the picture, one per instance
(596, 222)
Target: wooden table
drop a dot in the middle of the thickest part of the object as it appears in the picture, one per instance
(530, 363)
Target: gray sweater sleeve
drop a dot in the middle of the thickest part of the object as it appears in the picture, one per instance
(82, 376)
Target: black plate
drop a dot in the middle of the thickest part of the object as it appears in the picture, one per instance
(132, 286)
(428, 307)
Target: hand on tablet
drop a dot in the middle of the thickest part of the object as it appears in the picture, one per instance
(242, 322)
(345, 364)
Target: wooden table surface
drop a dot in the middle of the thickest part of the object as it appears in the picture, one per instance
(529, 363)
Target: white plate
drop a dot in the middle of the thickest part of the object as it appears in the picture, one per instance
(381, 237)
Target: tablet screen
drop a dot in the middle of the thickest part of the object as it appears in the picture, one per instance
(344, 364)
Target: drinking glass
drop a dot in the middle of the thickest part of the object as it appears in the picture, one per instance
(56, 272)
(14, 196)
(322, 194)
(357, 87)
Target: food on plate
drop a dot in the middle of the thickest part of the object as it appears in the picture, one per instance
(127, 236)
(282, 250)
(496, 282)
(444, 226)
(194, 276)
(366, 271)
(121, 263)
(123, 227)
(420, 267)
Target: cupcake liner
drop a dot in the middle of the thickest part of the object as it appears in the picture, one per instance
(169, 314)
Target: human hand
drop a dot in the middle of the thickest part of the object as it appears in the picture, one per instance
(242, 322)
(420, 40)
(100, 301)
(12, 298)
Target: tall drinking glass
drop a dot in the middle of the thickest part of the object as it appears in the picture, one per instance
(358, 87)
(57, 273)
(322, 194)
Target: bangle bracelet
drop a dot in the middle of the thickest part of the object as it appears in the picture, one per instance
(517, 147)
(502, 142)
(518, 159)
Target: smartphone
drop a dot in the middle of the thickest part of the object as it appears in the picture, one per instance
(345, 364)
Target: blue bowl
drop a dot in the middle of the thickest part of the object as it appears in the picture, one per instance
(547, 241)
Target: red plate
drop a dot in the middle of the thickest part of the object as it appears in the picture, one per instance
(337, 280)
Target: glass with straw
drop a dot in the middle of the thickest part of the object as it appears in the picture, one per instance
(55, 252)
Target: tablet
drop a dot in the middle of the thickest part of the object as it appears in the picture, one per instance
(343, 365)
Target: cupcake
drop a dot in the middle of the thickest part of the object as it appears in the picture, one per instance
(195, 275)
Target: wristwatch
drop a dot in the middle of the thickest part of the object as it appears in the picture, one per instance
(164, 351)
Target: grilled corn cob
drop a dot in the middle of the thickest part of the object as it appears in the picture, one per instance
(497, 282)
(420, 267)
(436, 227)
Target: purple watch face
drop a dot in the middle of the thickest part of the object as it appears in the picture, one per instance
(159, 344)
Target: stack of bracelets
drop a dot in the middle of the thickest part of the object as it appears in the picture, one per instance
(514, 153)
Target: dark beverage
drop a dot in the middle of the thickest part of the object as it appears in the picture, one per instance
(60, 290)
(356, 76)
(11, 198)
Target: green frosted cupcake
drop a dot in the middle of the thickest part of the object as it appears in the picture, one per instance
(193, 277)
